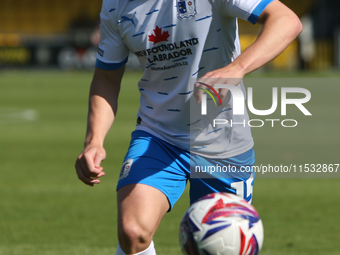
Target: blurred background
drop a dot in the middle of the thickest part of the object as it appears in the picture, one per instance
(61, 34)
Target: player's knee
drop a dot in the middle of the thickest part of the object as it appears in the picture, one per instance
(132, 235)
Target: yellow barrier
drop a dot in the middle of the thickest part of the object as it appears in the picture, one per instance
(9, 40)
(14, 55)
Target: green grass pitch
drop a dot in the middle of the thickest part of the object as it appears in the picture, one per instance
(45, 209)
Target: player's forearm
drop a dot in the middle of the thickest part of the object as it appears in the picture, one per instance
(102, 105)
(280, 27)
(100, 119)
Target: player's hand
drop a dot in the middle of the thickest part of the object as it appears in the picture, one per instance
(88, 164)
(226, 75)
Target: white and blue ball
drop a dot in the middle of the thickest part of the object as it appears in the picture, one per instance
(221, 224)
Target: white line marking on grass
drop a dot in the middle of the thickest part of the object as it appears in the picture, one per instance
(17, 115)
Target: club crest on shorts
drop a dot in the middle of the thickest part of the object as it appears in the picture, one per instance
(126, 167)
(186, 9)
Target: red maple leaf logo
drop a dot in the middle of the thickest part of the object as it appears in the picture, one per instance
(158, 36)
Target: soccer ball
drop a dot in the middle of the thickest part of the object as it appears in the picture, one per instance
(221, 224)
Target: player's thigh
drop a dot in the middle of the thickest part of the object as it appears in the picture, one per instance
(141, 206)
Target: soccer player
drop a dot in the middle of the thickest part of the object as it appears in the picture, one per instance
(185, 48)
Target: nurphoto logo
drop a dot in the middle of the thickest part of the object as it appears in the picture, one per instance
(238, 104)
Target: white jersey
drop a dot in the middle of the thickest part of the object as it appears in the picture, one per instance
(177, 41)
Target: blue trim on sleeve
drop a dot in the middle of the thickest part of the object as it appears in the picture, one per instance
(258, 10)
(110, 67)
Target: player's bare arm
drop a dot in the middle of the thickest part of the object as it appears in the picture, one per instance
(280, 27)
(103, 98)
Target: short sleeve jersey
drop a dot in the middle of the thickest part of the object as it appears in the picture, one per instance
(177, 41)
